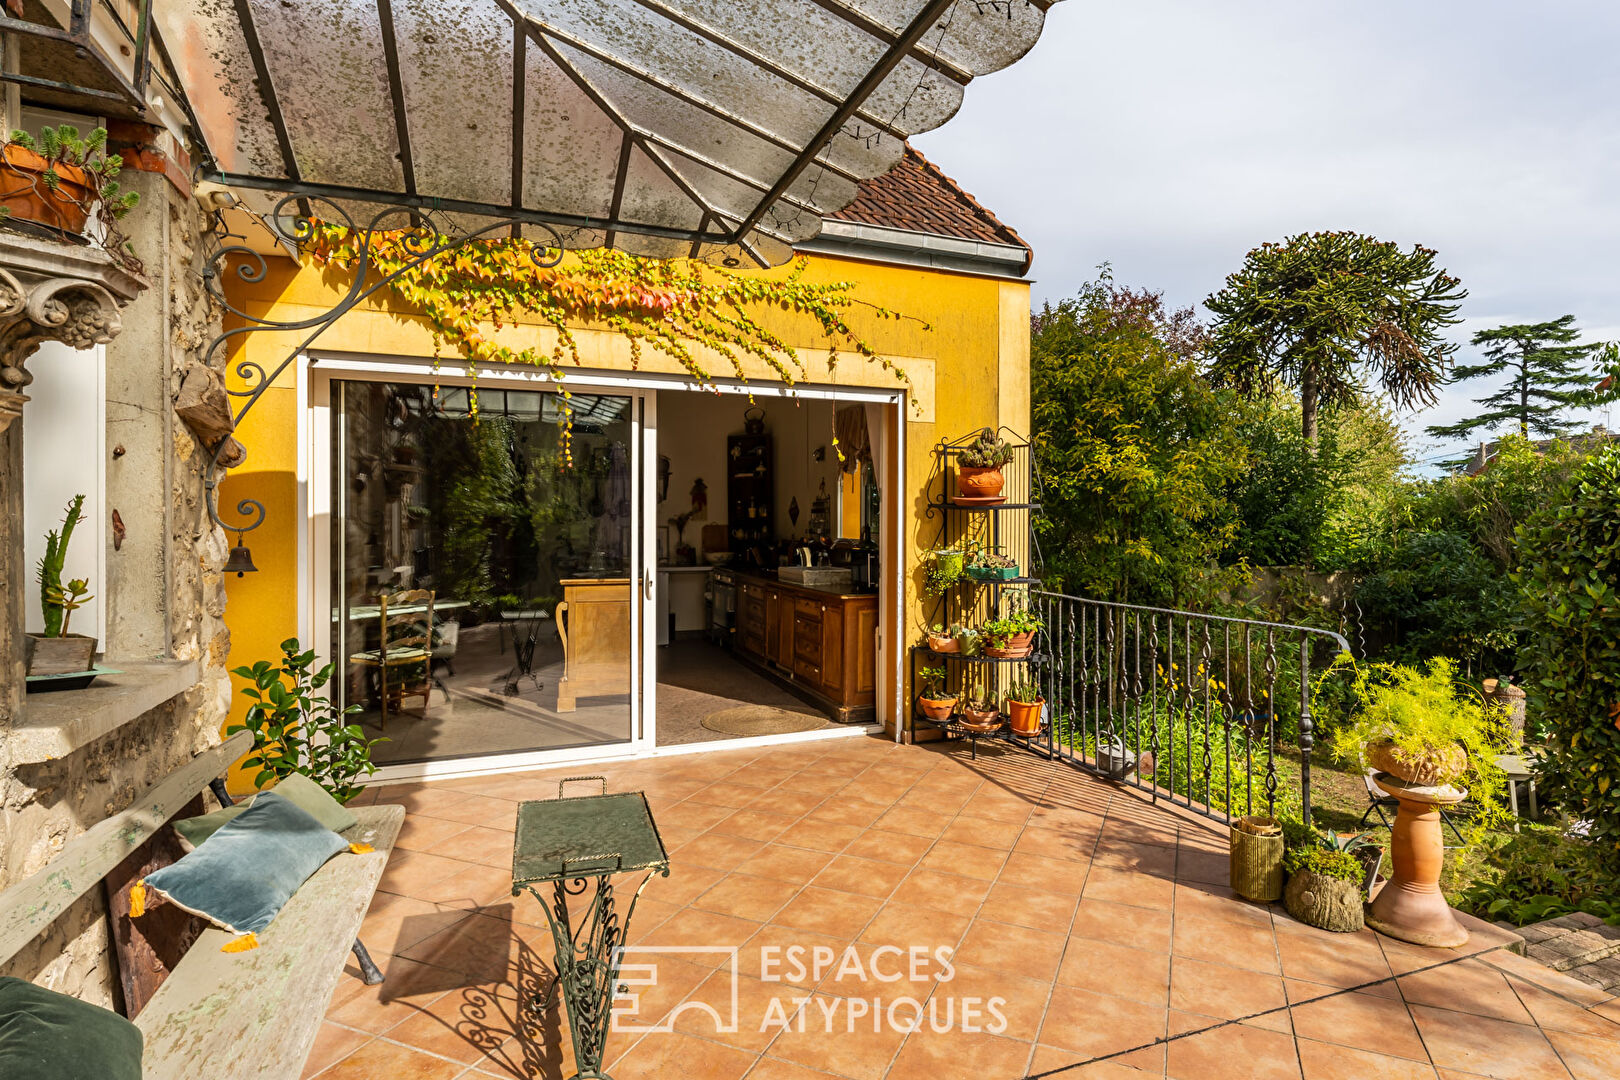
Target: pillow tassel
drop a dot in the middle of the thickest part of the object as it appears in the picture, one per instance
(137, 899)
(241, 944)
(361, 849)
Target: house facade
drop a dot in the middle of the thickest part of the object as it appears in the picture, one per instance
(358, 453)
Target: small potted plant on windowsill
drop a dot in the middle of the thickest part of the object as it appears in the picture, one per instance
(978, 468)
(933, 701)
(56, 651)
(59, 180)
(1025, 708)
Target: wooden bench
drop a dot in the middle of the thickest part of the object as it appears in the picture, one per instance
(250, 1015)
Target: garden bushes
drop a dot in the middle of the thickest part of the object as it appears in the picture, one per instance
(1570, 647)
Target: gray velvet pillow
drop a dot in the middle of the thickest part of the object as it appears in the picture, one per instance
(299, 789)
(49, 1036)
(247, 870)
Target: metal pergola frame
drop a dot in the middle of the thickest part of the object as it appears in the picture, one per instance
(77, 34)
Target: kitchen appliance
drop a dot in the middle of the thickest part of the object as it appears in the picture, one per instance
(721, 596)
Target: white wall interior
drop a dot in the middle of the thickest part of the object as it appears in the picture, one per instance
(64, 451)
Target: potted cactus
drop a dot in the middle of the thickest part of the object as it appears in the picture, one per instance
(987, 565)
(1025, 706)
(942, 639)
(978, 468)
(56, 651)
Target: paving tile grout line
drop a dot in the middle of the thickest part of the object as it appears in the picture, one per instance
(1252, 1016)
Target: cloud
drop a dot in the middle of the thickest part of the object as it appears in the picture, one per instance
(1168, 137)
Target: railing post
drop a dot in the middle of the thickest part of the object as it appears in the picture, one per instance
(1306, 737)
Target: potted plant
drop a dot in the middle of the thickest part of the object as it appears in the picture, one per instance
(968, 641)
(1011, 637)
(56, 651)
(933, 701)
(1365, 849)
(58, 180)
(987, 565)
(1025, 707)
(945, 570)
(979, 465)
(980, 715)
(1324, 886)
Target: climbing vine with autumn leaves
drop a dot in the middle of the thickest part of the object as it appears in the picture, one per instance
(680, 307)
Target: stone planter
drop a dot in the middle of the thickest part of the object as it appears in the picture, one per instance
(1421, 770)
(1256, 859)
(58, 655)
(1327, 903)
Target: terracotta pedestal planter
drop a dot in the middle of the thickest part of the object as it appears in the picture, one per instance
(1410, 906)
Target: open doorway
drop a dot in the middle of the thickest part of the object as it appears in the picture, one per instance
(767, 528)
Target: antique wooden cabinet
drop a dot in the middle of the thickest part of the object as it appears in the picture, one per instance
(822, 640)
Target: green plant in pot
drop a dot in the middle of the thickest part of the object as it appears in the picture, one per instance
(294, 730)
(1324, 886)
(968, 641)
(941, 639)
(987, 565)
(944, 570)
(60, 179)
(980, 714)
(1025, 705)
(1012, 636)
(56, 651)
(978, 467)
(933, 700)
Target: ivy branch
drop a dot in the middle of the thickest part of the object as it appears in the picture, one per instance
(679, 307)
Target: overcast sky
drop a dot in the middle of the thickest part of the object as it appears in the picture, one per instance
(1168, 137)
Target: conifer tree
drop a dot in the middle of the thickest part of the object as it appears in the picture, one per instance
(1547, 374)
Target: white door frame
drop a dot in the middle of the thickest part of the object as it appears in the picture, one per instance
(315, 372)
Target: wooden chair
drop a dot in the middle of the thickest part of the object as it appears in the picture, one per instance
(405, 641)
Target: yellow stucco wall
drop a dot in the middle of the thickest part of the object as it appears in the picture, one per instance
(969, 368)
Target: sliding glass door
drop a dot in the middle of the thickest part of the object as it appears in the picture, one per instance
(487, 595)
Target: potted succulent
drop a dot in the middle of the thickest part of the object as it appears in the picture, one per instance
(980, 715)
(933, 701)
(968, 641)
(942, 640)
(945, 570)
(987, 565)
(979, 465)
(56, 651)
(1025, 707)
(1324, 885)
(59, 179)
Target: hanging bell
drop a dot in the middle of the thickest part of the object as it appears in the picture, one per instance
(240, 561)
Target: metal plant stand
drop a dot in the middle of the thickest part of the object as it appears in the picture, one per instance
(577, 844)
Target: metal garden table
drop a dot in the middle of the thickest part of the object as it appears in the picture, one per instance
(573, 842)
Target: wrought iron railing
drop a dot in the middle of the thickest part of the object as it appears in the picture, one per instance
(1193, 709)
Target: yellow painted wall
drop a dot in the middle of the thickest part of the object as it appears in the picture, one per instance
(969, 368)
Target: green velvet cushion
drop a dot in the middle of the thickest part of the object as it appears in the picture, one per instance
(303, 792)
(247, 870)
(49, 1036)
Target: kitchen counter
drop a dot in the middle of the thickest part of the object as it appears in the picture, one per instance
(821, 639)
(836, 592)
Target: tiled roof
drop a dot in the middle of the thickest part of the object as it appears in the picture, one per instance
(915, 196)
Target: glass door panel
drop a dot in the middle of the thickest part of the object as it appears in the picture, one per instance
(484, 599)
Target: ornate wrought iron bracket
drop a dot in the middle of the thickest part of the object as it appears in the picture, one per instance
(426, 234)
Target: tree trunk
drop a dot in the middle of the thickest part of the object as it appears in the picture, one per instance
(1307, 407)
(1328, 903)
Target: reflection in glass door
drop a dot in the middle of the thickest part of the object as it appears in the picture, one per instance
(483, 591)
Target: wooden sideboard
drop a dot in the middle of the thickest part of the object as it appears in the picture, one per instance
(593, 623)
(824, 641)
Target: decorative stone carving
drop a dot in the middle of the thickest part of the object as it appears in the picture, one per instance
(51, 291)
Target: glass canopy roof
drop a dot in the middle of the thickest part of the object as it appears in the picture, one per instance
(723, 129)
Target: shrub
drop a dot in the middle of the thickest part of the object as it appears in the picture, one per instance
(1541, 874)
(295, 731)
(1440, 596)
(1570, 651)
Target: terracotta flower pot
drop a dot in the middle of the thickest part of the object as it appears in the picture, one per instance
(1025, 716)
(1007, 652)
(943, 643)
(1025, 640)
(936, 708)
(981, 719)
(23, 191)
(975, 483)
(1422, 770)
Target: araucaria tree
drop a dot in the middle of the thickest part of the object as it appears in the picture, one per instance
(1324, 313)
(1546, 375)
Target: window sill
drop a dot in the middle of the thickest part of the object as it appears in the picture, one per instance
(56, 724)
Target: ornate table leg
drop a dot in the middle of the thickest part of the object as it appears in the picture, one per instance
(588, 960)
(1410, 906)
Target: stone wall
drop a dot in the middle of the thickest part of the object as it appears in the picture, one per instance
(165, 593)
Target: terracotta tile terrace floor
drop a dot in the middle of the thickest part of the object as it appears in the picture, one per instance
(1101, 923)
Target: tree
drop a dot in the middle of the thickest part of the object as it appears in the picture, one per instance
(1134, 448)
(1313, 311)
(1546, 377)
